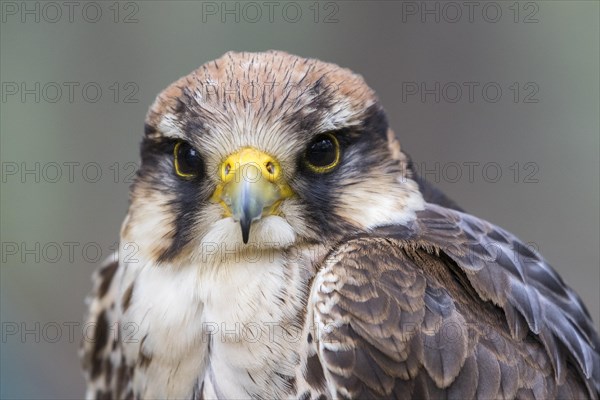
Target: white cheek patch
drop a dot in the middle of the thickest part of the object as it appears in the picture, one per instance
(370, 204)
(148, 227)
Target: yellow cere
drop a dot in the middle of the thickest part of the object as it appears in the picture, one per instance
(261, 167)
(268, 166)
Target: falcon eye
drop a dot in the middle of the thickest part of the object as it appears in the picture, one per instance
(323, 153)
(188, 163)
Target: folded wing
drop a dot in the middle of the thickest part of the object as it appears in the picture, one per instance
(450, 306)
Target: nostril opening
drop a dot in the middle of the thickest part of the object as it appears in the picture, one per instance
(227, 169)
(270, 167)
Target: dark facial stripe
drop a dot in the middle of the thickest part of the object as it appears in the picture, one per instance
(186, 207)
(362, 155)
(157, 173)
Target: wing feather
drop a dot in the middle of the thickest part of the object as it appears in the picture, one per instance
(450, 306)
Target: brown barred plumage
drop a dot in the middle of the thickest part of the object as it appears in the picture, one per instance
(358, 280)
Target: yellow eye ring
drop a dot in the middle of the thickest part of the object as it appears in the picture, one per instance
(323, 153)
(187, 160)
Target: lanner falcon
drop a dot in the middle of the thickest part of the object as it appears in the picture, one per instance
(279, 244)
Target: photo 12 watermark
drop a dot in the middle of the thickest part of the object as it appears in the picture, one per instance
(470, 92)
(53, 12)
(68, 92)
(208, 252)
(452, 12)
(478, 171)
(129, 333)
(252, 12)
(67, 252)
(57, 172)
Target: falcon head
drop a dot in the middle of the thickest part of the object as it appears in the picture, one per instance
(265, 150)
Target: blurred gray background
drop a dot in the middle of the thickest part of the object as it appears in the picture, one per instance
(521, 149)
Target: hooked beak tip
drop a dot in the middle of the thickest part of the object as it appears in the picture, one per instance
(245, 225)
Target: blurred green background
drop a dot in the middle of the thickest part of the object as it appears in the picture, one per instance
(541, 134)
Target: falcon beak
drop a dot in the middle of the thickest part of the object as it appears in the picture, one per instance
(251, 186)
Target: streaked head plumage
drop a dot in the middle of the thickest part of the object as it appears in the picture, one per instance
(282, 107)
